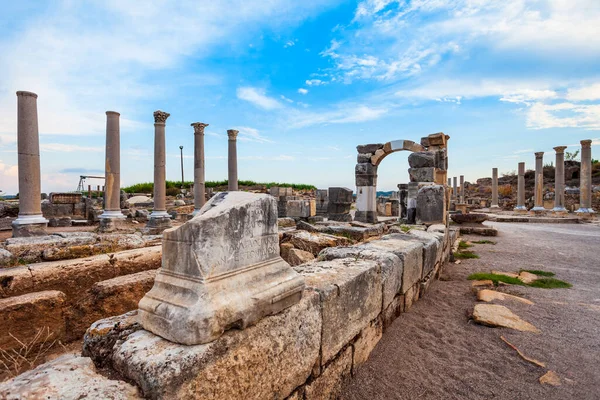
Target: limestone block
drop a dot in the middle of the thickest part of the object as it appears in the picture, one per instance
(300, 208)
(137, 260)
(408, 250)
(363, 157)
(431, 204)
(422, 174)
(24, 316)
(366, 342)
(441, 160)
(286, 222)
(15, 281)
(351, 295)
(411, 296)
(390, 264)
(6, 258)
(438, 139)
(30, 249)
(432, 249)
(314, 242)
(220, 270)
(68, 377)
(369, 148)
(366, 174)
(422, 159)
(297, 257)
(329, 384)
(266, 361)
(393, 311)
(340, 195)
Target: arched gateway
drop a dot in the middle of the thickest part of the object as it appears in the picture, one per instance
(428, 163)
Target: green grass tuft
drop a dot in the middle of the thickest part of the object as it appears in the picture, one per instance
(405, 228)
(550, 283)
(464, 245)
(484, 242)
(481, 276)
(465, 255)
(538, 272)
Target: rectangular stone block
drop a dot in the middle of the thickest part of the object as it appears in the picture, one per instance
(300, 208)
(426, 174)
(432, 249)
(15, 281)
(65, 198)
(366, 342)
(329, 384)
(351, 296)
(431, 205)
(57, 210)
(266, 361)
(393, 311)
(26, 316)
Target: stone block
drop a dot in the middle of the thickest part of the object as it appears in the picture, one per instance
(67, 377)
(441, 160)
(298, 257)
(393, 311)
(224, 268)
(366, 175)
(366, 342)
(351, 296)
(23, 317)
(431, 205)
(422, 174)
(277, 191)
(300, 208)
(314, 242)
(50, 210)
(437, 139)
(340, 195)
(346, 217)
(59, 222)
(422, 159)
(7, 259)
(15, 281)
(369, 148)
(432, 249)
(286, 222)
(31, 249)
(266, 361)
(329, 384)
(364, 157)
(65, 198)
(137, 260)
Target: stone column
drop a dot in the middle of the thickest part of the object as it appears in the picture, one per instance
(539, 182)
(454, 189)
(199, 190)
(159, 218)
(521, 188)
(112, 173)
(462, 188)
(585, 178)
(30, 221)
(449, 182)
(232, 179)
(494, 204)
(559, 180)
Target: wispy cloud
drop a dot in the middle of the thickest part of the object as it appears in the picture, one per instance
(69, 148)
(247, 134)
(302, 91)
(258, 98)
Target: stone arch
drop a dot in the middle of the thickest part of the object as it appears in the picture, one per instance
(370, 156)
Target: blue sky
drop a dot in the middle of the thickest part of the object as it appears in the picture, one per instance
(303, 83)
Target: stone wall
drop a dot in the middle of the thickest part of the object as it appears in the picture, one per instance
(305, 352)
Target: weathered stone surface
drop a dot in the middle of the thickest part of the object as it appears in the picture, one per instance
(15, 281)
(482, 230)
(422, 159)
(484, 282)
(550, 378)
(366, 342)
(278, 191)
(363, 157)
(351, 295)
(431, 204)
(297, 257)
(495, 315)
(432, 248)
(329, 384)
(390, 264)
(30, 249)
(365, 174)
(393, 311)
(68, 377)
(6, 258)
(24, 316)
(422, 174)
(286, 222)
(252, 360)
(369, 148)
(491, 295)
(300, 208)
(224, 268)
(136, 260)
(471, 218)
(509, 274)
(313, 242)
(527, 277)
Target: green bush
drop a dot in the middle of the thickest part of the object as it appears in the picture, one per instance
(148, 187)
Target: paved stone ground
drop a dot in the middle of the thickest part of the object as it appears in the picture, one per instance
(435, 352)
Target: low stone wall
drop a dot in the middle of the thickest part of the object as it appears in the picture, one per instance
(305, 352)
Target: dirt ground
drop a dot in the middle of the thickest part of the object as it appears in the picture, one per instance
(434, 351)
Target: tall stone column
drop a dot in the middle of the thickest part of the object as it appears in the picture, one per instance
(232, 179)
(521, 188)
(539, 182)
(559, 180)
(462, 188)
(112, 173)
(30, 221)
(585, 178)
(494, 204)
(454, 189)
(449, 182)
(199, 174)
(159, 218)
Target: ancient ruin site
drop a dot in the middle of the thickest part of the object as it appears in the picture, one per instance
(422, 220)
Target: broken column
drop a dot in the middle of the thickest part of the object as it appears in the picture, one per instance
(403, 194)
(366, 183)
(340, 201)
(494, 189)
(159, 218)
(431, 201)
(322, 202)
(454, 189)
(539, 182)
(559, 180)
(411, 200)
(585, 178)
(521, 188)
(199, 174)
(30, 221)
(112, 174)
(462, 188)
(232, 180)
(220, 270)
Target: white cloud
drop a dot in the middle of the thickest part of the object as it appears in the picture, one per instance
(591, 92)
(564, 115)
(347, 113)
(289, 43)
(258, 98)
(9, 178)
(247, 134)
(302, 91)
(68, 148)
(315, 82)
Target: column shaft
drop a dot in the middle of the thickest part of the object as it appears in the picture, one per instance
(232, 161)
(462, 188)
(559, 180)
(495, 188)
(521, 188)
(199, 172)
(454, 189)
(539, 182)
(585, 176)
(112, 192)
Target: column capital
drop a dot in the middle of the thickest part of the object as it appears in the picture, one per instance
(199, 127)
(586, 143)
(160, 116)
(539, 154)
(559, 149)
(112, 113)
(24, 93)
(232, 133)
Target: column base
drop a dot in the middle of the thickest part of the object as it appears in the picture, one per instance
(195, 212)
(579, 211)
(520, 208)
(156, 225)
(560, 209)
(366, 216)
(113, 214)
(29, 225)
(538, 209)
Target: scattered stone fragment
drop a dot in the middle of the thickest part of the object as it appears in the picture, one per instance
(550, 378)
(509, 274)
(495, 315)
(527, 277)
(491, 295)
(485, 282)
(523, 356)
(457, 262)
(297, 257)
